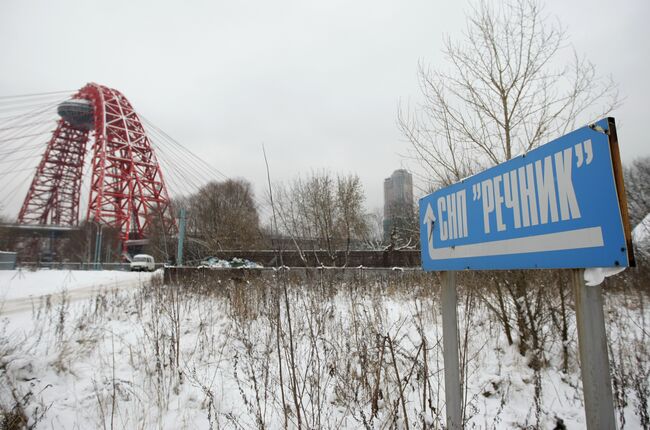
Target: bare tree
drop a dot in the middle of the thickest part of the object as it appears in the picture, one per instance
(374, 238)
(405, 230)
(323, 211)
(225, 216)
(512, 84)
(637, 185)
(352, 221)
(295, 212)
(321, 207)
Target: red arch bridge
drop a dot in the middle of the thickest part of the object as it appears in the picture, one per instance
(95, 158)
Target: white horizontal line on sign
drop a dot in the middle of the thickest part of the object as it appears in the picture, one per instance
(560, 241)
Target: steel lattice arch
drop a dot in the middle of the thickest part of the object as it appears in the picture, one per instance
(127, 190)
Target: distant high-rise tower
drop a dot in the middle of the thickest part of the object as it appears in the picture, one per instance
(398, 202)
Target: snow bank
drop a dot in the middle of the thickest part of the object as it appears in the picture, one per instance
(215, 263)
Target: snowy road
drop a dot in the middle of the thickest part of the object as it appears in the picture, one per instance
(21, 289)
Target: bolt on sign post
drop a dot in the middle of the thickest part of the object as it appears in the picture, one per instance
(561, 205)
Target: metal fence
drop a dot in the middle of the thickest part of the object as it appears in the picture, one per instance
(66, 265)
(215, 276)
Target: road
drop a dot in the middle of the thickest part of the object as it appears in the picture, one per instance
(21, 290)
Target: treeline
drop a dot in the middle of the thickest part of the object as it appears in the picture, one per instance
(321, 211)
(318, 211)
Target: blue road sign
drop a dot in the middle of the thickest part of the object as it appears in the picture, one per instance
(554, 207)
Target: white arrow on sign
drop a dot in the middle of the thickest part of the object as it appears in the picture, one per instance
(573, 239)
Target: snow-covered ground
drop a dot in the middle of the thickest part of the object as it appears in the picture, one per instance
(359, 355)
(19, 289)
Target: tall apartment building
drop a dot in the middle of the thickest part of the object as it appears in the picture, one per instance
(398, 202)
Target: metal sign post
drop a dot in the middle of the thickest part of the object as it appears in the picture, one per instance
(448, 301)
(594, 363)
(561, 205)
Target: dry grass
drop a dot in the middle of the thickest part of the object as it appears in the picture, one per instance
(318, 349)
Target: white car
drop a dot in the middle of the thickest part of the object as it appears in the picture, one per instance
(143, 262)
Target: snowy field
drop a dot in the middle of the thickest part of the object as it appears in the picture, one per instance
(82, 350)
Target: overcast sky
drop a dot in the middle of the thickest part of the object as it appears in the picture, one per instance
(319, 83)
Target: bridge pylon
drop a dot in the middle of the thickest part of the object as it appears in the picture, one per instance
(127, 188)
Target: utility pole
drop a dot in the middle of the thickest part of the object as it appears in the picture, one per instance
(98, 246)
(181, 237)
